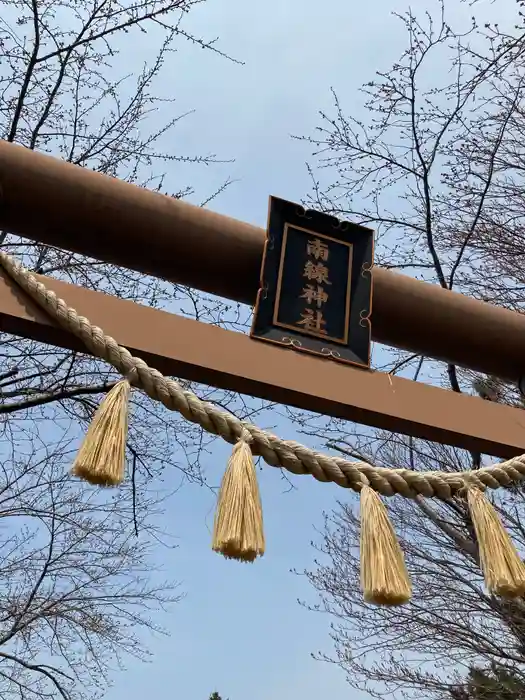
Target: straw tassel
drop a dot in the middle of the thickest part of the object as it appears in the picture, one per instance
(101, 459)
(238, 527)
(503, 568)
(384, 577)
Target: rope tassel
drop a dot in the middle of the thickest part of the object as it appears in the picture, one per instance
(101, 459)
(238, 527)
(384, 577)
(503, 568)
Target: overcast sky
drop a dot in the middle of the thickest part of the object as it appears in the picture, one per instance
(240, 630)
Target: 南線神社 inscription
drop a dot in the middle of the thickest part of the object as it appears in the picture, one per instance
(316, 284)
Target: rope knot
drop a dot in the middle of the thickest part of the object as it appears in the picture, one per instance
(364, 481)
(132, 375)
(245, 436)
(470, 480)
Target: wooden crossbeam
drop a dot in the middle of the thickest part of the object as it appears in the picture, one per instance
(204, 353)
(64, 205)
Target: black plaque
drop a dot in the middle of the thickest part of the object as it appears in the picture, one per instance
(316, 284)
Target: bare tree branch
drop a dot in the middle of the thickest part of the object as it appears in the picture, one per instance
(437, 165)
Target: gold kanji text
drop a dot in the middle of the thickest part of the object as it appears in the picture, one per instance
(312, 321)
(318, 249)
(314, 295)
(316, 272)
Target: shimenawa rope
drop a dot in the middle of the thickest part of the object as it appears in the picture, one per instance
(290, 455)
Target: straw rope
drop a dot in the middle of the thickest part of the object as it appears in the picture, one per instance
(290, 455)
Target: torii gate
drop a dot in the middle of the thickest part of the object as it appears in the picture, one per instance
(69, 207)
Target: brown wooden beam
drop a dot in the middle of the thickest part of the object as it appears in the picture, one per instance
(204, 353)
(63, 205)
